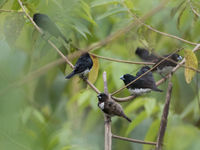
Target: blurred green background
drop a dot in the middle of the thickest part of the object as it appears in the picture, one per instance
(40, 110)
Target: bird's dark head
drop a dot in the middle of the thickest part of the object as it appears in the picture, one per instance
(102, 97)
(86, 54)
(176, 57)
(127, 78)
(145, 68)
(38, 16)
(139, 51)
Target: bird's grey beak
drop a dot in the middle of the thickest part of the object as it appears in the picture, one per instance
(98, 96)
(180, 58)
(122, 77)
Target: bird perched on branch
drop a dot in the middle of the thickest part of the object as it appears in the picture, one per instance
(82, 66)
(164, 67)
(46, 24)
(110, 107)
(143, 84)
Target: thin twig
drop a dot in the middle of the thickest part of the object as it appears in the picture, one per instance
(107, 120)
(163, 123)
(122, 61)
(119, 90)
(193, 10)
(157, 31)
(11, 11)
(53, 45)
(133, 140)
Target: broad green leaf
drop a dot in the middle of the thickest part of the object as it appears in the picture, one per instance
(136, 104)
(95, 70)
(150, 105)
(129, 4)
(87, 13)
(152, 134)
(176, 8)
(104, 2)
(111, 12)
(182, 137)
(143, 115)
(190, 61)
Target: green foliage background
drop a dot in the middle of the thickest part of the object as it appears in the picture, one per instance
(41, 110)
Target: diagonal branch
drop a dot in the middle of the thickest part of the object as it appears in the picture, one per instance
(193, 10)
(122, 61)
(157, 31)
(125, 99)
(163, 123)
(143, 74)
(133, 140)
(53, 45)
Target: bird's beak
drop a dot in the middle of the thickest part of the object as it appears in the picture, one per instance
(180, 57)
(122, 77)
(98, 96)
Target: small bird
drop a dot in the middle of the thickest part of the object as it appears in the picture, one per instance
(145, 55)
(166, 66)
(82, 66)
(163, 68)
(144, 84)
(110, 107)
(46, 24)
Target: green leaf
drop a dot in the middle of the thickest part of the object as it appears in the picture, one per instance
(150, 105)
(134, 105)
(182, 137)
(129, 4)
(111, 12)
(190, 61)
(87, 13)
(152, 134)
(143, 115)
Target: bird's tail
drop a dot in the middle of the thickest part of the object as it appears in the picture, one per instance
(157, 89)
(124, 116)
(70, 75)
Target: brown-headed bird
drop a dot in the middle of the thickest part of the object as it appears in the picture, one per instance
(110, 107)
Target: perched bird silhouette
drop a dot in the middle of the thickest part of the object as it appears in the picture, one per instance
(82, 66)
(163, 68)
(166, 66)
(110, 107)
(142, 85)
(46, 24)
(145, 55)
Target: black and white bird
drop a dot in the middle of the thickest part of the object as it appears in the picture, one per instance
(82, 66)
(145, 55)
(46, 24)
(142, 85)
(164, 67)
(110, 107)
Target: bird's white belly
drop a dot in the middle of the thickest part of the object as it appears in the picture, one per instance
(139, 91)
(165, 70)
(86, 72)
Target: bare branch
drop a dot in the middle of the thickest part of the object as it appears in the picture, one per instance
(133, 140)
(157, 31)
(11, 11)
(193, 10)
(123, 61)
(107, 120)
(163, 123)
(53, 45)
